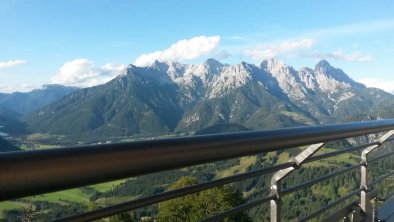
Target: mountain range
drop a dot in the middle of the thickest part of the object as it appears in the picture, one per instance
(15, 105)
(23, 103)
(169, 97)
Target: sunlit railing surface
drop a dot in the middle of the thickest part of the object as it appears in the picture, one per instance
(28, 173)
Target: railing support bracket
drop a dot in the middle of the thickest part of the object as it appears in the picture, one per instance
(368, 196)
(281, 174)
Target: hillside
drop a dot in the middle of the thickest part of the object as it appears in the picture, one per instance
(10, 123)
(26, 102)
(6, 146)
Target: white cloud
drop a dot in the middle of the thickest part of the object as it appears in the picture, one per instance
(186, 49)
(386, 85)
(112, 69)
(16, 88)
(285, 48)
(11, 63)
(6, 88)
(83, 73)
(356, 56)
(26, 87)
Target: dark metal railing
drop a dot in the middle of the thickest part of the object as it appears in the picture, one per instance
(36, 172)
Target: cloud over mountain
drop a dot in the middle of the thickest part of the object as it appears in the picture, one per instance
(83, 73)
(386, 85)
(182, 50)
(285, 48)
(356, 56)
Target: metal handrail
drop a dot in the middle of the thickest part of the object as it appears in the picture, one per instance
(35, 172)
(339, 152)
(379, 179)
(389, 196)
(146, 201)
(275, 203)
(318, 180)
(336, 173)
(344, 213)
(381, 157)
(330, 205)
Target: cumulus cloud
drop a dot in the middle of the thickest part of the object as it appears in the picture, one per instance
(386, 85)
(112, 69)
(186, 49)
(302, 48)
(11, 63)
(83, 73)
(285, 48)
(356, 56)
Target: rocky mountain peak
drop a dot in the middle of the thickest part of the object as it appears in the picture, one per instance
(212, 66)
(323, 64)
(160, 66)
(324, 68)
(212, 63)
(214, 78)
(271, 64)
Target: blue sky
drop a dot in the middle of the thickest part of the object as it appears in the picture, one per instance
(88, 42)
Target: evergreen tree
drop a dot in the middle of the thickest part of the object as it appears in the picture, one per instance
(201, 205)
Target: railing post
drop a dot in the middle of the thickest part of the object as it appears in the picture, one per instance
(368, 196)
(368, 204)
(276, 203)
(355, 215)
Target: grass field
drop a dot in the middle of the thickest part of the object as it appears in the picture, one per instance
(347, 158)
(298, 117)
(283, 158)
(104, 187)
(113, 200)
(335, 161)
(73, 195)
(10, 205)
(76, 195)
(242, 167)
